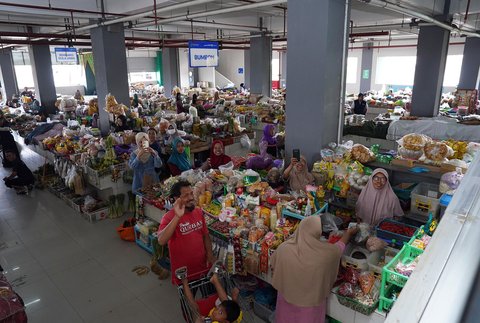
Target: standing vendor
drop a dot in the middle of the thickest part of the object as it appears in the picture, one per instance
(377, 201)
(360, 105)
(304, 271)
(143, 161)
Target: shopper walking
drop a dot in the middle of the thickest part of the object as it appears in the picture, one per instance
(377, 201)
(185, 231)
(304, 271)
(143, 161)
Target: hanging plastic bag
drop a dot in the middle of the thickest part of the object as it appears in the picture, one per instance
(245, 142)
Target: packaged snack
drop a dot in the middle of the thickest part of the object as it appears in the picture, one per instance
(366, 280)
(362, 154)
(375, 244)
(414, 141)
(351, 276)
(410, 154)
(347, 290)
(437, 151)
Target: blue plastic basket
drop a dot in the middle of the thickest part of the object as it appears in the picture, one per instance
(390, 236)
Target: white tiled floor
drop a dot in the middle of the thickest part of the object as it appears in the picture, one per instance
(68, 270)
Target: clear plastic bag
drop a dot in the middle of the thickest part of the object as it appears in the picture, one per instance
(245, 142)
(414, 141)
(410, 154)
(437, 151)
(450, 181)
(363, 233)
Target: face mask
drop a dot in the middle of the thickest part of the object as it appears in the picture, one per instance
(171, 131)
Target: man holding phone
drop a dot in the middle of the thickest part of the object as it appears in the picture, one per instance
(185, 231)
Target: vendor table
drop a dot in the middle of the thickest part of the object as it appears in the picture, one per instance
(440, 128)
(402, 174)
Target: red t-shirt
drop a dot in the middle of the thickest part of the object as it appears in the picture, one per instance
(186, 246)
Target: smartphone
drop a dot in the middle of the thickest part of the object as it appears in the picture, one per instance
(145, 144)
(296, 154)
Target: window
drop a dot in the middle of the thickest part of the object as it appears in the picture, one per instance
(142, 77)
(68, 75)
(24, 76)
(352, 68)
(452, 70)
(395, 70)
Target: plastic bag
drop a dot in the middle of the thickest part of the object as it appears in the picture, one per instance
(437, 151)
(414, 141)
(375, 244)
(347, 290)
(226, 169)
(330, 222)
(362, 154)
(351, 276)
(366, 281)
(449, 182)
(245, 142)
(90, 203)
(363, 233)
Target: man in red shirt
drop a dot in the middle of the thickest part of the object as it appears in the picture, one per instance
(185, 231)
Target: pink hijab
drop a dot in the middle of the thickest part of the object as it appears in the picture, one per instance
(374, 205)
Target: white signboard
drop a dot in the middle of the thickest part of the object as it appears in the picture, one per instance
(203, 53)
(66, 55)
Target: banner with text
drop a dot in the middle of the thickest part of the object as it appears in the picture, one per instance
(203, 53)
(66, 55)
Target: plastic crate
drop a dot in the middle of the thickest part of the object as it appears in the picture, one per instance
(387, 298)
(94, 177)
(407, 255)
(144, 241)
(423, 202)
(374, 259)
(445, 200)
(355, 305)
(263, 312)
(404, 190)
(97, 215)
(77, 204)
(390, 236)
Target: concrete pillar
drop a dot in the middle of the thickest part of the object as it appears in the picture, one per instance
(283, 69)
(261, 65)
(170, 69)
(41, 61)
(367, 62)
(432, 52)
(470, 65)
(247, 68)
(315, 65)
(207, 74)
(8, 77)
(110, 61)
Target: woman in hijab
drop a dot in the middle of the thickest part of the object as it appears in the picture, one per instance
(377, 201)
(304, 271)
(173, 133)
(269, 137)
(179, 161)
(121, 123)
(143, 161)
(297, 174)
(217, 155)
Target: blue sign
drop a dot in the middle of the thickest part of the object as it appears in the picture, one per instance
(67, 55)
(203, 53)
(240, 70)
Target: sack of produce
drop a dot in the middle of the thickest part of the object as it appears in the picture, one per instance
(450, 181)
(362, 154)
(437, 151)
(414, 141)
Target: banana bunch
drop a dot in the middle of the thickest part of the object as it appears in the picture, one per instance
(459, 148)
(140, 270)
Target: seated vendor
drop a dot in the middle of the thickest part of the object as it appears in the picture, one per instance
(360, 105)
(21, 179)
(217, 155)
(121, 124)
(377, 201)
(297, 175)
(179, 161)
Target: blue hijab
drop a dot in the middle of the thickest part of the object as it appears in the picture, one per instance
(180, 160)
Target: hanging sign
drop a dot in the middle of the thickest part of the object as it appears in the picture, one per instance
(66, 55)
(203, 53)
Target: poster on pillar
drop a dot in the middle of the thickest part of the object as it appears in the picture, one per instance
(202, 53)
(66, 55)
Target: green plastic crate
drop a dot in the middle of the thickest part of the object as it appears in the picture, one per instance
(386, 297)
(406, 255)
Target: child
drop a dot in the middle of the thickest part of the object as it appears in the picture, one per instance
(21, 178)
(228, 311)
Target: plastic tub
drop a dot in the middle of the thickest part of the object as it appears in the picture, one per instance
(390, 236)
(349, 261)
(425, 199)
